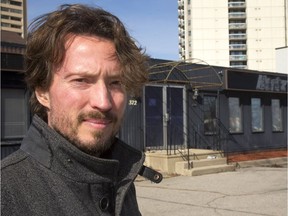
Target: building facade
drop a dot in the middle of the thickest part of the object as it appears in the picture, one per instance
(233, 33)
(14, 16)
(208, 107)
(15, 117)
(14, 95)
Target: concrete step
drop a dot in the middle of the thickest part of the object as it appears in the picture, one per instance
(203, 167)
(180, 165)
(209, 170)
(176, 164)
(202, 154)
(208, 162)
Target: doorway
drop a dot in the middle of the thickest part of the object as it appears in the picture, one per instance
(165, 116)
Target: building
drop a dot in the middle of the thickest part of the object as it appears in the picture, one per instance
(14, 16)
(208, 107)
(190, 110)
(233, 33)
(15, 117)
(14, 95)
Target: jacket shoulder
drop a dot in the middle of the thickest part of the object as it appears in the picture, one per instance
(13, 159)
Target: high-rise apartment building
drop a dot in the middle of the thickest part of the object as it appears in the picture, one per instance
(233, 33)
(13, 16)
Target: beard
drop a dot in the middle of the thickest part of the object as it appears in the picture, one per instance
(100, 142)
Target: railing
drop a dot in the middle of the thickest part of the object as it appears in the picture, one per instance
(237, 46)
(180, 4)
(218, 140)
(236, 4)
(180, 13)
(240, 15)
(181, 33)
(224, 138)
(237, 36)
(237, 26)
(181, 24)
(238, 57)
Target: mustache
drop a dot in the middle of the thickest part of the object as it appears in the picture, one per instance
(97, 115)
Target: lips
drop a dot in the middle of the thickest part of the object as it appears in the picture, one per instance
(98, 123)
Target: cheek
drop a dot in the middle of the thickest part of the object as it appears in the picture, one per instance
(120, 101)
(65, 100)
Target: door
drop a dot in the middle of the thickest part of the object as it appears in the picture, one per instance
(164, 116)
(153, 116)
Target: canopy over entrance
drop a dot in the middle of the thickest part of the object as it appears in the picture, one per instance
(194, 72)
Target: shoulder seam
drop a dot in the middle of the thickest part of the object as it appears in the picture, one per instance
(17, 160)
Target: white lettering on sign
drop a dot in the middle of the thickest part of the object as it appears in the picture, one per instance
(268, 84)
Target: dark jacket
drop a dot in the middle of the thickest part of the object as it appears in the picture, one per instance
(49, 176)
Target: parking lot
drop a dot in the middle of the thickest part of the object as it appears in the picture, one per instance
(246, 192)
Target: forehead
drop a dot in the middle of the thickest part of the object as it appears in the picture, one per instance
(84, 43)
(90, 53)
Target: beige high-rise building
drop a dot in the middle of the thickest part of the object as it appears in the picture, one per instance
(14, 17)
(233, 33)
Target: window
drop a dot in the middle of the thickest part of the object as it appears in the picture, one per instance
(15, 11)
(257, 115)
(277, 124)
(4, 17)
(235, 115)
(16, 26)
(13, 113)
(210, 120)
(16, 18)
(5, 25)
(16, 3)
(4, 9)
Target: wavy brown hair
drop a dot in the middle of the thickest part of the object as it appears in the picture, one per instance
(46, 47)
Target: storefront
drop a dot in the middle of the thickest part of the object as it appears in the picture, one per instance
(217, 108)
(257, 108)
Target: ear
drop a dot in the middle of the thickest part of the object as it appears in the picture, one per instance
(43, 97)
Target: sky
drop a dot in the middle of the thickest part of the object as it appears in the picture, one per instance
(152, 23)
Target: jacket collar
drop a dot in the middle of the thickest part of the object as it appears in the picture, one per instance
(54, 152)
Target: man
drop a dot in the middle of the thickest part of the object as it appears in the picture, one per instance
(81, 66)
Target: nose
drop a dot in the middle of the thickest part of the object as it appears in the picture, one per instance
(100, 97)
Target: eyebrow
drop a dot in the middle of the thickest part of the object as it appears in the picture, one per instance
(113, 74)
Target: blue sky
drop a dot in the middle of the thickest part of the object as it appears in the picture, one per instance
(153, 23)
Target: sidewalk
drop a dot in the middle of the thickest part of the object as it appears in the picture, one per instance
(250, 191)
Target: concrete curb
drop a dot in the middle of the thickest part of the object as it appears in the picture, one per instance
(273, 162)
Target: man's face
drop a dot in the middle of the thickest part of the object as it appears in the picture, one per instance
(86, 100)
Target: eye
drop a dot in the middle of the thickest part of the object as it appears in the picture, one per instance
(116, 82)
(80, 80)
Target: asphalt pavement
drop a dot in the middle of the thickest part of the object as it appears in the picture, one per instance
(251, 191)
